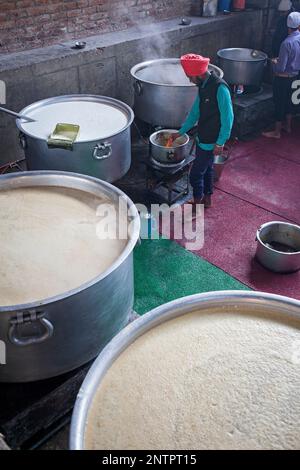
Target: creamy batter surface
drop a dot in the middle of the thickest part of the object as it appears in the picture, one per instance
(207, 380)
(49, 243)
(96, 120)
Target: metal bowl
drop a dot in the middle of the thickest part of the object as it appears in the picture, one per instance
(278, 247)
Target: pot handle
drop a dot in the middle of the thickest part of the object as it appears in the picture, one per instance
(258, 232)
(138, 88)
(29, 317)
(171, 155)
(102, 151)
(22, 140)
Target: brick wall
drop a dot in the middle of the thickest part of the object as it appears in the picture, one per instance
(26, 24)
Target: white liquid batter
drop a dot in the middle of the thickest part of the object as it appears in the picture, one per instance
(206, 380)
(96, 120)
(49, 244)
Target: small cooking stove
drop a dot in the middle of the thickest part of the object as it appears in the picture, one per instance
(173, 178)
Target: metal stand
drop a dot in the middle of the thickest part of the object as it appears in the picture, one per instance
(168, 177)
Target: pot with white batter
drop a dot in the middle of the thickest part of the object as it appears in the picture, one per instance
(102, 147)
(217, 370)
(65, 287)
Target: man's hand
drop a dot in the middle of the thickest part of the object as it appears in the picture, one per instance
(275, 61)
(175, 136)
(218, 149)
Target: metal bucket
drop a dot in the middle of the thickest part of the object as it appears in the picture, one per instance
(233, 300)
(219, 164)
(274, 237)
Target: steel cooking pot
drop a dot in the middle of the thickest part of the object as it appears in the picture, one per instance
(248, 303)
(50, 336)
(102, 148)
(163, 95)
(173, 154)
(278, 247)
(242, 66)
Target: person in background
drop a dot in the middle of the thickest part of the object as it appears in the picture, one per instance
(285, 7)
(286, 70)
(213, 111)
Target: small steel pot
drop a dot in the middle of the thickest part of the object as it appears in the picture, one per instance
(169, 155)
(278, 233)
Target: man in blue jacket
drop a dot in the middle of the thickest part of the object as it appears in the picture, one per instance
(213, 112)
(286, 70)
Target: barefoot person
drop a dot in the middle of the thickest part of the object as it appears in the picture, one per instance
(213, 111)
(286, 69)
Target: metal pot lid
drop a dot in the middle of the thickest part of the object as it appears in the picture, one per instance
(166, 72)
(99, 117)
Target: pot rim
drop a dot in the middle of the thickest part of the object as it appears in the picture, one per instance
(78, 97)
(136, 68)
(269, 224)
(153, 136)
(263, 56)
(152, 319)
(28, 179)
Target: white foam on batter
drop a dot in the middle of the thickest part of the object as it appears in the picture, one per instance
(206, 380)
(49, 243)
(96, 120)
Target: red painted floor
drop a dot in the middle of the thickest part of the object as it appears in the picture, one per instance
(260, 183)
(265, 180)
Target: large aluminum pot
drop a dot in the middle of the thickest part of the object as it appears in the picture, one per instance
(103, 147)
(54, 335)
(174, 154)
(278, 247)
(163, 95)
(234, 300)
(242, 66)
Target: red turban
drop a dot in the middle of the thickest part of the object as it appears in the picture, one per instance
(194, 65)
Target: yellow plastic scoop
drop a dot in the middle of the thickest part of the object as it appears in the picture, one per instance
(63, 136)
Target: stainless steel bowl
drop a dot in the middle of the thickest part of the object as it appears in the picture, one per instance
(278, 247)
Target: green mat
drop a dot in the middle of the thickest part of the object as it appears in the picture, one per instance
(165, 271)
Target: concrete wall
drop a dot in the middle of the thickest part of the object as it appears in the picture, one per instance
(26, 24)
(104, 66)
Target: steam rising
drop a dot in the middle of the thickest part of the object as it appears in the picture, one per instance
(164, 74)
